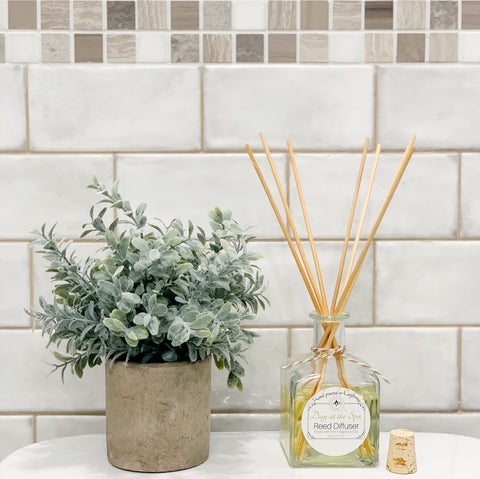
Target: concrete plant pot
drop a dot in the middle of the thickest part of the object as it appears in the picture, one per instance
(158, 415)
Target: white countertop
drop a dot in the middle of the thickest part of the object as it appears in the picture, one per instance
(237, 455)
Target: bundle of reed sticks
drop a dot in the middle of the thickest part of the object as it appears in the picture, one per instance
(315, 287)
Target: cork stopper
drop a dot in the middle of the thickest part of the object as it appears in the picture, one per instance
(401, 457)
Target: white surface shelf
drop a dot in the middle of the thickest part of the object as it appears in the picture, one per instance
(237, 455)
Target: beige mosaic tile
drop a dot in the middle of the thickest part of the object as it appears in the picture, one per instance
(184, 15)
(55, 15)
(185, 48)
(217, 48)
(120, 15)
(378, 15)
(282, 15)
(87, 15)
(152, 15)
(250, 48)
(444, 14)
(217, 15)
(347, 15)
(88, 47)
(22, 14)
(411, 15)
(282, 48)
(121, 48)
(313, 48)
(379, 47)
(411, 47)
(470, 15)
(443, 47)
(56, 47)
(313, 15)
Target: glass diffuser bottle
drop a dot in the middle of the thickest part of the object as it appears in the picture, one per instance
(329, 403)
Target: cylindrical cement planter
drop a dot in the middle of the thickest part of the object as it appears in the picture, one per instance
(158, 415)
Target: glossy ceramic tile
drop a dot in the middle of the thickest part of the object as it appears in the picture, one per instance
(470, 207)
(244, 422)
(17, 431)
(470, 373)
(50, 427)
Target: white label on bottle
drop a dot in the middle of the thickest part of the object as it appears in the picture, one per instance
(335, 421)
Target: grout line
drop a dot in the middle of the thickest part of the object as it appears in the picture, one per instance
(374, 285)
(375, 106)
(459, 365)
(27, 111)
(114, 167)
(459, 197)
(34, 427)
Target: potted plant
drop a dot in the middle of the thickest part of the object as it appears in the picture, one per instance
(156, 305)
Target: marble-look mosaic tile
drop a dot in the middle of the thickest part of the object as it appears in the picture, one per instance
(471, 15)
(250, 48)
(121, 48)
(185, 48)
(443, 47)
(378, 15)
(88, 47)
(282, 15)
(248, 14)
(153, 47)
(87, 15)
(347, 48)
(120, 15)
(152, 15)
(217, 48)
(2, 48)
(411, 15)
(184, 15)
(282, 48)
(469, 47)
(56, 47)
(313, 48)
(22, 14)
(379, 47)
(411, 47)
(444, 15)
(217, 15)
(314, 15)
(55, 15)
(347, 15)
(22, 47)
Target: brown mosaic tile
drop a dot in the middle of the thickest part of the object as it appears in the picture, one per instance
(22, 15)
(313, 48)
(444, 15)
(2, 48)
(120, 15)
(152, 15)
(314, 15)
(250, 48)
(121, 48)
(217, 15)
(378, 15)
(443, 47)
(282, 15)
(217, 48)
(184, 15)
(55, 15)
(185, 48)
(56, 47)
(347, 15)
(282, 48)
(411, 15)
(470, 15)
(411, 47)
(379, 47)
(87, 15)
(88, 47)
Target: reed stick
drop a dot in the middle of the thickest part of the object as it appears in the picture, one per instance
(349, 226)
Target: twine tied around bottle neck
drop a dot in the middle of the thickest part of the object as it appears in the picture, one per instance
(328, 353)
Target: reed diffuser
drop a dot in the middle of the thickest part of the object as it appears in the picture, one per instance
(329, 399)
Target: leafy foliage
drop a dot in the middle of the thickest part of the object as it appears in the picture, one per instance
(161, 293)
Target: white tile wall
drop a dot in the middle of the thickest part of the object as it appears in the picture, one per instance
(50, 427)
(48, 189)
(316, 108)
(470, 370)
(470, 207)
(15, 432)
(31, 387)
(12, 113)
(245, 422)
(427, 282)
(14, 284)
(421, 364)
(114, 108)
(188, 186)
(437, 103)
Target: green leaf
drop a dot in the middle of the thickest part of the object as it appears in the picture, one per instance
(131, 298)
(114, 324)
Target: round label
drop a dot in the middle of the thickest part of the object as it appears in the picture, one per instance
(335, 421)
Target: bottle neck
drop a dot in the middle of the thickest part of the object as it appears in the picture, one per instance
(328, 329)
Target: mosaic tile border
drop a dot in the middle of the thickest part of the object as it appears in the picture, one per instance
(239, 31)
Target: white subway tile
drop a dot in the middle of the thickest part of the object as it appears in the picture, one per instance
(437, 103)
(467, 424)
(22, 47)
(114, 108)
(470, 370)
(12, 113)
(421, 363)
(290, 302)
(188, 186)
(14, 284)
(347, 47)
(245, 422)
(424, 205)
(50, 427)
(31, 387)
(15, 432)
(427, 282)
(248, 15)
(262, 380)
(316, 108)
(49, 188)
(470, 207)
